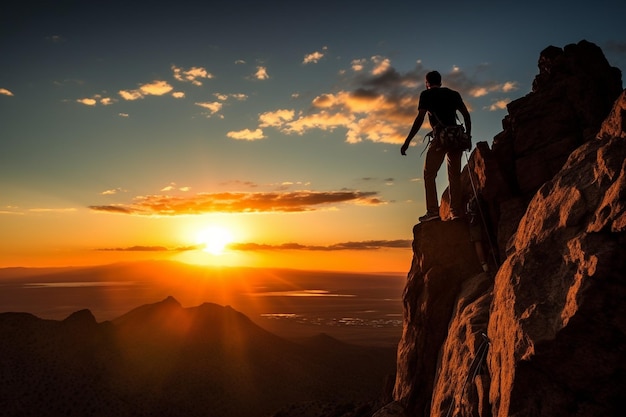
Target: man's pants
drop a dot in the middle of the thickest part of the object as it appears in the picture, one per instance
(434, 159)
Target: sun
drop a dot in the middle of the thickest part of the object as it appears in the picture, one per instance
(214, 239)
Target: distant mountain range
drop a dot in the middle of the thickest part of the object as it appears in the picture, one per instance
(163, 359)
(356, 307)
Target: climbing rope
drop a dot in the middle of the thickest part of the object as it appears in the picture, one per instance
(475, 366)
(480, 211)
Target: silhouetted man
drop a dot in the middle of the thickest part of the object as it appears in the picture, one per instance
(441, 104)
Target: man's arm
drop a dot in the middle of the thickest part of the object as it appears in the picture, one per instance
(417, 124)
(467, 120)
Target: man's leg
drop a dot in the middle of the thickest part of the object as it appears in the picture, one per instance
(453, 160)
(434, 159)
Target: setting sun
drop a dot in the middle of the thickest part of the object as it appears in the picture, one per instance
(214, 239)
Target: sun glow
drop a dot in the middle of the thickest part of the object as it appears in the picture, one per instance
(214, 239)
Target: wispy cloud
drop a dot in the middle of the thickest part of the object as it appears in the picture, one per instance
(5, 92)
(14, 210)
(194, 75)
(240, 202)
(212, 106)
(173, 187)
(113, 191)
(367, 245)
(276, 118)
(87, 101)
(379, 104)
(96, 99)
(499, 105)
(53, 210)
(246, 134)
(140, 248)
(261, 73)
(155, 88)
(483, 90)
(362, 245)
(314, 57)
(36, 210)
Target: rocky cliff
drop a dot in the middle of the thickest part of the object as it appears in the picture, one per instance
(544, 333)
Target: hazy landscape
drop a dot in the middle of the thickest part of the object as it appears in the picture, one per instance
(357, 308)
(163, 338)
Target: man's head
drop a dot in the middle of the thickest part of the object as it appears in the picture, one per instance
(433, 79)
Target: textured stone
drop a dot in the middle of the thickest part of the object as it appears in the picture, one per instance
(554, 183)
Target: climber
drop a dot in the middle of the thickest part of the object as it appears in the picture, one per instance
(441, 104)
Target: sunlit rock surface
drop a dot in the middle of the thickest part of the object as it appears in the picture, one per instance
(543, 334)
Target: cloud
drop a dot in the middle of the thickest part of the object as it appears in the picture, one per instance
(291, 246)
(239, 202)
(97, 98)
(192, 75)
(246, 184)
(5, 92)
(276, 118)
(358, 64)
(213, 107)
(239, 96)
(499, 105)
(235, 96)
(382, 65)
(130, 95)
(172, 186)
(113, 191)
(377, 103)
(140, 248)
(87, 101)
(261, 73)
(314, 57)
(483, 90)
(363, 245)
(53, 210)
(246, 134)
(155, 88)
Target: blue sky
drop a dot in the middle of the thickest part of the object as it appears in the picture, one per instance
(124, 124)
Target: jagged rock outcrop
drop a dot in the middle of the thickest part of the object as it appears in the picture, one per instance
(572, 94)
(545, 335)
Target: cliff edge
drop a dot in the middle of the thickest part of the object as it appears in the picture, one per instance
(543, 334)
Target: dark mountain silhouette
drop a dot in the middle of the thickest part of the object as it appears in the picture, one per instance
(165, 360)
(110, 291)
(544, 334)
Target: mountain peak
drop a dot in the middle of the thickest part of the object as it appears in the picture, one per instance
(82, 317)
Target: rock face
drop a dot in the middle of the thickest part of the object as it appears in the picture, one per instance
(545, 334)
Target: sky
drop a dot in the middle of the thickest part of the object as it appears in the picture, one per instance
(151, 130)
